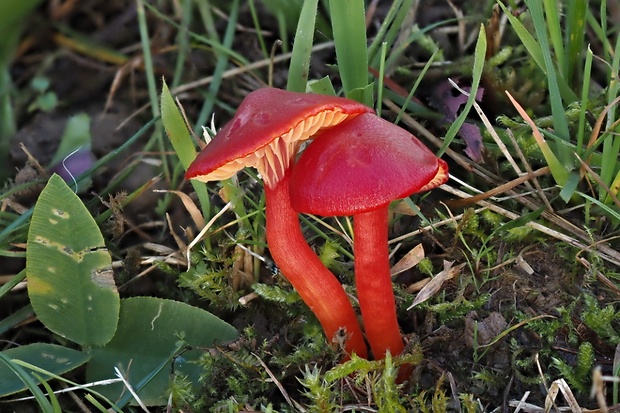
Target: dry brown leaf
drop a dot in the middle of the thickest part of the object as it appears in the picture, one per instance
(435, 284)
(410, 260)
(191, 207)
(403, 208)
(417, 286)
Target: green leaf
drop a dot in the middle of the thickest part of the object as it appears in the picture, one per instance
(570, 186)
(55, 359)
(176, 129)
(363, 94)
(179, 136)
(148, 335)
(69, 271)
(322, 86)
(302, 48)
(348, 23)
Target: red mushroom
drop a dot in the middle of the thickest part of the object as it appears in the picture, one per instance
(357, 169)
(266, 133)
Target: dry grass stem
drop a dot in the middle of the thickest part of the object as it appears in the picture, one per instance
(189, 205)
(499, 189)
(607, 254)
(204, 231)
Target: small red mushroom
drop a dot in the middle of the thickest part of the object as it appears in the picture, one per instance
(357, 169)
(265, 133)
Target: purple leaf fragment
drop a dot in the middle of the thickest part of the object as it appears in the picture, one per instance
(74, 165)
(449, 101)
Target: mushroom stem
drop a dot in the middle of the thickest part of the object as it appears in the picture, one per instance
(374, 283)
(316, 285)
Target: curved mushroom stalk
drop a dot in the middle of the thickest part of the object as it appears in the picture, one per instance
(316, 285)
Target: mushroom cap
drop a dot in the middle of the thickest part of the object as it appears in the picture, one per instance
(362, 166)
(266, 132)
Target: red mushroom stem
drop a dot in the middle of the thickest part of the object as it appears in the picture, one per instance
(316, 285)
(374, 283)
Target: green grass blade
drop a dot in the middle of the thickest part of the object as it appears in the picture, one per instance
(50, 393)
(148, 58)
(555, 32)
(558, 171)
(302, 48)
(576, 13)
(16, 317)
(221, 65)
(96, 403)
(16, 279)
(585, 91)
(182, 41)
(611, 143)
(560, 123)
(390, 28)
(89, 397)
(27, 379)
(181, 140)
(612, 212)
(416, 85)
(149, 69)
(348, 23)
(257, 27)
(381, 77)
(535, 50)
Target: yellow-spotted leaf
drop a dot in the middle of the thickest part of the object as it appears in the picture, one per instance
(69, 270)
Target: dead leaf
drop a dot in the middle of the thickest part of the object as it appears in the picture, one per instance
(191, 207)
(410, 260)
(435, 284)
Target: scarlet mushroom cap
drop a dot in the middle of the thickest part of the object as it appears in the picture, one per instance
(357, 169)
(362, 166)
(266, 132)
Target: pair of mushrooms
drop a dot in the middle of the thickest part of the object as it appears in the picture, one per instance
(358, 164)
